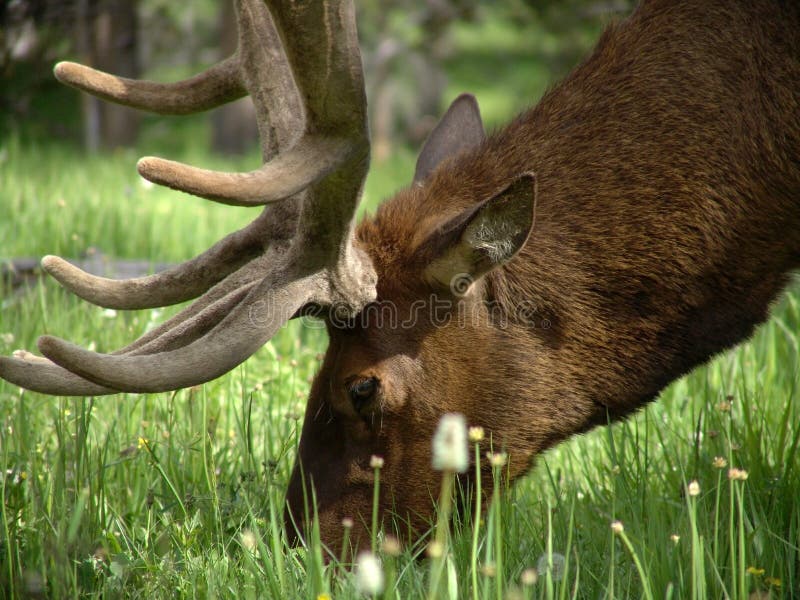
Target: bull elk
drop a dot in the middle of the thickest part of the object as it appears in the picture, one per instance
(545, 279)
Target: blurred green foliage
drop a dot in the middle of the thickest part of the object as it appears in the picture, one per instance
(418, 54)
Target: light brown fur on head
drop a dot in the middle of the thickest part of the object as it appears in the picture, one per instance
(667, 216)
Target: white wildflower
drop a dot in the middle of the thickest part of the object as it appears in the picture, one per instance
(529, 577)
(249, 540)
(434, 549)
(369, 574)
(450, 444)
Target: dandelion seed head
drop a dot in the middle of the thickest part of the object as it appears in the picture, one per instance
(450, 444)
(369, 574)
(248, 540)
(555, 566)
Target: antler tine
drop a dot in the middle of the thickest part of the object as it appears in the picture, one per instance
(311, 159)
(327, 70)
(213, 87)
(185, 331)
(41, 375)
(178, 284)
(249, 326)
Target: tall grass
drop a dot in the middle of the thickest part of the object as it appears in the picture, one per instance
(181, 494)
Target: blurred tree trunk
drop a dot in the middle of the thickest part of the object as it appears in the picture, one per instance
(234, 128)
(107, 32)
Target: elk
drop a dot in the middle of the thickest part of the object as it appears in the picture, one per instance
(644, 215)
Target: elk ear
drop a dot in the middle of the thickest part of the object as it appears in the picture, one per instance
(460, 129)
(483, 237)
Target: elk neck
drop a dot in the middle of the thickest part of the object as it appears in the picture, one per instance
(657, 242)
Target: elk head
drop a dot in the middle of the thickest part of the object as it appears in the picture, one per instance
(379, 381)
(391, 372)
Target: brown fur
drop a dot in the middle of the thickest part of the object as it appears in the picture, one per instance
(667, 219)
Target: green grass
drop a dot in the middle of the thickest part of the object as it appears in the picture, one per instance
(180, 495)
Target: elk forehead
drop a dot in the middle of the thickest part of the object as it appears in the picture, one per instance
(382, 350)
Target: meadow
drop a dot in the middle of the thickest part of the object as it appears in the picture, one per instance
(181, 494)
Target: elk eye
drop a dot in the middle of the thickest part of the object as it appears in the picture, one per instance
(362, 391)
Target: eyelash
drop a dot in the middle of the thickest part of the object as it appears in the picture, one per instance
(360, 399)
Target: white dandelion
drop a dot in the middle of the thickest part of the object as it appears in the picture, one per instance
(450, 444)
(369, 574)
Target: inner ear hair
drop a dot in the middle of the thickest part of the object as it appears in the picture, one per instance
(483, 237)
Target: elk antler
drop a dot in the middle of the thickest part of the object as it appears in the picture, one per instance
(311, 110)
